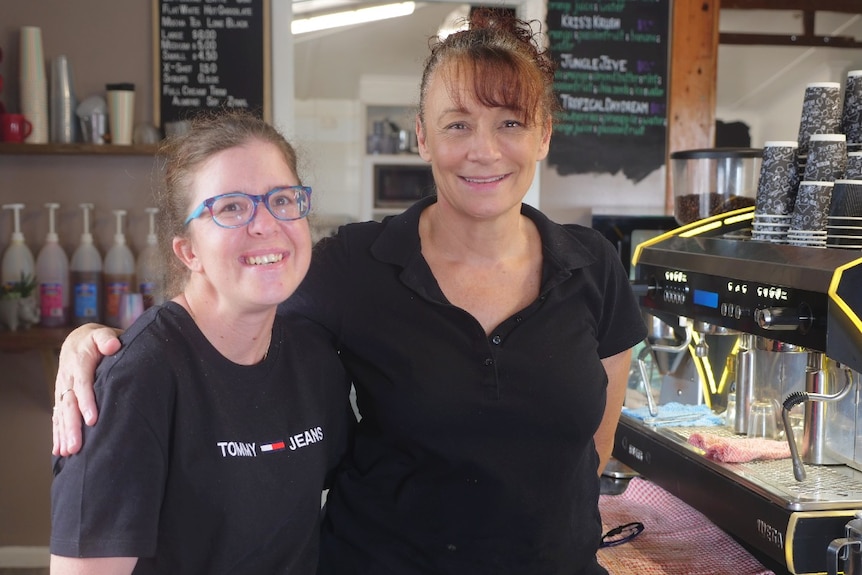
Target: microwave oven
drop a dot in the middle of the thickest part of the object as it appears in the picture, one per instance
(399, 184)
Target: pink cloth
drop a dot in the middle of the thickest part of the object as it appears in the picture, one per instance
(739, 449)
(676, 540)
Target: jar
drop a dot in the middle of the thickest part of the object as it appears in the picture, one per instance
(711, 181)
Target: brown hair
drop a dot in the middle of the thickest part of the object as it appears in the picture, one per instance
(502, 56)
(182, 156)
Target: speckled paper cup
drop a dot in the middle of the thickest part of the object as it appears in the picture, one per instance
(821, 112)
(812, 206)
(779, 178)
(827, 157)
(851, 112)
(853, 169)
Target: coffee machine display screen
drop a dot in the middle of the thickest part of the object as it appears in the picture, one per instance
(706, 298)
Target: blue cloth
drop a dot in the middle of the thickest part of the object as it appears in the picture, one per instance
(677, 415)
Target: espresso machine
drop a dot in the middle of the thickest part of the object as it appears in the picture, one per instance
(745, 321)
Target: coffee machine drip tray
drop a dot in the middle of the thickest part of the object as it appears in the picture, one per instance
(825, 486)
(760, 503)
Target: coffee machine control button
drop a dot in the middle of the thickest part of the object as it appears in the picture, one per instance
(778, 318)
(733, 311)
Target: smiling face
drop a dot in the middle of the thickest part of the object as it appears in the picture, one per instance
(254, 266)
(483, 157)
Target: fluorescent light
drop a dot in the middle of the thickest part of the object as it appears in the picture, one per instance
(351, 17)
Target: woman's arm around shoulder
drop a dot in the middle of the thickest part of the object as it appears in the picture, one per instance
(81, 352)
(92, 565)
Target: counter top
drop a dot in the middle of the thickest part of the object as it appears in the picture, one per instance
(676, 537)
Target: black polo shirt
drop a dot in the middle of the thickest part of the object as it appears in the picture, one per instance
(475, 453)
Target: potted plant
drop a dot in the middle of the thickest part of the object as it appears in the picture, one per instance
(18, 303)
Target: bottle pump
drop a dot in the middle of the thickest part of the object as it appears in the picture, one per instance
(119, 275)
(86, 276)
(52, 273)
(18, 264)
(148, 265)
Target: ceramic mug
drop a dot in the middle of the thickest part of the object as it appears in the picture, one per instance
(14, 127)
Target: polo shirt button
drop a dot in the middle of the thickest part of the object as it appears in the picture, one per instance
(489, 362)
(496, 340)
(451, 547)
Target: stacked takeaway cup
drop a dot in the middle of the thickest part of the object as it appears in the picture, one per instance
(776, 192)
(851, 113)
(844, 222)
(810, 212)
(810, 190)
(851, 124)
(822, 159)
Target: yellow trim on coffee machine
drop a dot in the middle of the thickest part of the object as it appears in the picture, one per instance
(697, 228)
(839, 301)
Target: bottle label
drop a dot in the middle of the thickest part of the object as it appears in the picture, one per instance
(51, 300)
(113, 291)
(147, 289)
(86, 300)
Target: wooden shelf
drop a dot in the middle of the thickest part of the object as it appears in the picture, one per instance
(34, 338)
(11, 148)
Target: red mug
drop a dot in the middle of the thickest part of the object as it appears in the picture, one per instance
(14, 127)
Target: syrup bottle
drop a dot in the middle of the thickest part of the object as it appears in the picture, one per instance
(52, 274)
(119, 277)
(18, 264)
(86, 277)
(147, 271)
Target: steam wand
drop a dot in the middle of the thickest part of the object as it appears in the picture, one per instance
(795, 398)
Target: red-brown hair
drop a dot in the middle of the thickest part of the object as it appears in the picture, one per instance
(503, 59)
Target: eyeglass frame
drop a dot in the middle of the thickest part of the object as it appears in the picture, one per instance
(256, 199)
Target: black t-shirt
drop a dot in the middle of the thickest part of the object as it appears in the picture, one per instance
(200, 465)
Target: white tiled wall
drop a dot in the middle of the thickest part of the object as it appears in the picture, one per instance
(328, 135)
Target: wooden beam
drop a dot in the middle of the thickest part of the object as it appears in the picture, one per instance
(847, 6)
(807, 38)
(693, 76)
(788, 40)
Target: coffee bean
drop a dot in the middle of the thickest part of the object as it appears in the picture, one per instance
(692, 207)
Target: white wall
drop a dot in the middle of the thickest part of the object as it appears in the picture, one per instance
(762, 86)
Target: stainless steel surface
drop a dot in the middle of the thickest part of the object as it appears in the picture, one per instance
(825, 487)
(745, 389)
(814, 440)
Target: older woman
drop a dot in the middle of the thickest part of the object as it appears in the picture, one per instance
(489, 346)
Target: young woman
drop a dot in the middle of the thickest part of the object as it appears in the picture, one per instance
(489, 346)
(219, 420)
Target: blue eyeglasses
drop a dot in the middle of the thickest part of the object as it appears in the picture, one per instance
(236, 209)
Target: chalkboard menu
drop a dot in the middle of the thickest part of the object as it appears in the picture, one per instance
(611, 80)
(211, 55)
